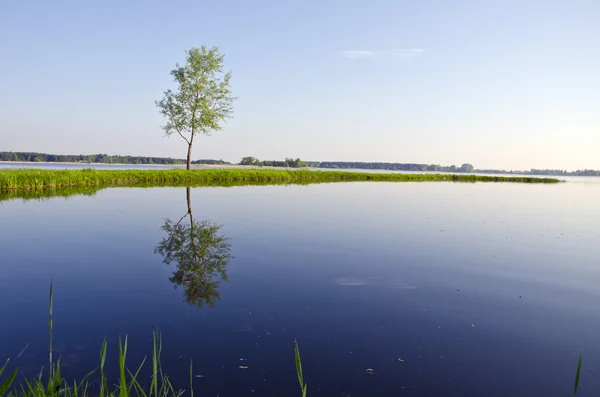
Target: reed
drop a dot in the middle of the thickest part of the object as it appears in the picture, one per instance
(33, 179)
(128, 386)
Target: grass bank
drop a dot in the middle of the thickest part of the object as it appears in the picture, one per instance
(55, 179)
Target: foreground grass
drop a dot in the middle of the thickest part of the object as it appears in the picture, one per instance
(55, 179)
(129, 382)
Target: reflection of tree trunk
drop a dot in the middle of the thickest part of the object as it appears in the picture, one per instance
(188, 194)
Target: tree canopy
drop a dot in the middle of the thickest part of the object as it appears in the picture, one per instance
(202, 100)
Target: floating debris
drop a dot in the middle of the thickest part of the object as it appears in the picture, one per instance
(199, 376)
(243, 367)
(350, 282)
(473, 325)
(401, 360)
(25, 348)
(370, 371)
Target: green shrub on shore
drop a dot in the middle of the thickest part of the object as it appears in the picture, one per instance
(54, 179)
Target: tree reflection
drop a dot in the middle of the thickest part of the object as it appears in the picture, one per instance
(201, 255)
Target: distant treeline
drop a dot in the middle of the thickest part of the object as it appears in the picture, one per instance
(287, 163)
(452, 168)
(397, 166)
(298, 163)
(467, 168)
(534, 171)
(96, 158)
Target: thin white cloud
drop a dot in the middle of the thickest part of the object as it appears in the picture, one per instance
(398, 53)
(408, 53)
(357, 54)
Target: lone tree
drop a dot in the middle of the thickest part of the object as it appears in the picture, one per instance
(202, 100)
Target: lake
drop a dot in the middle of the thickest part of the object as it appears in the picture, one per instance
(415, 289)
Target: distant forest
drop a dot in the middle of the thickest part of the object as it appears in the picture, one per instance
(468, 168)
(287, 163)
(96, 158)
(452, 168)
(297, 163)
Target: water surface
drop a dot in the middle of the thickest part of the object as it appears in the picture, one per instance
(437, 288)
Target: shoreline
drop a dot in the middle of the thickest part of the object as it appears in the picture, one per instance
(238, 166)
(116, 164)
(39, 179)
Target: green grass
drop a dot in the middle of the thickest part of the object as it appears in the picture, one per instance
(129, 382)
(32, 179)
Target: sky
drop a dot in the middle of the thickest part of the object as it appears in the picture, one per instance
(506, 84)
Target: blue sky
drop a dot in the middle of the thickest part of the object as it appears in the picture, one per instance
(499, 84)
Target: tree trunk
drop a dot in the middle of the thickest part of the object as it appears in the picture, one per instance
(189, 156)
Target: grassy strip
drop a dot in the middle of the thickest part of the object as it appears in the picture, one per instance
(54, 179)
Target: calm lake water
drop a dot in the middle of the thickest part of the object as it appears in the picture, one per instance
(417, 289)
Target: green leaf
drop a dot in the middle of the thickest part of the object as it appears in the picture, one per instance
(134, 376)
(103, 383)
(4, 366)
(122, 357)
(298, 365)
(4, 386)
(577, 375)
(155, 353)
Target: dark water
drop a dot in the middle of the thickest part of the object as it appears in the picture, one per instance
(480, 289)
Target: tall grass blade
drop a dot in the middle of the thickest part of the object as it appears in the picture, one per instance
(4, 366)
(299, 368)
(50, 334)
(577, 375)
(54, 384)
(122, 357)
(154, 384)
(103, 382)
(135, 384)
(191, 380)
(134, 376)
(4, 386)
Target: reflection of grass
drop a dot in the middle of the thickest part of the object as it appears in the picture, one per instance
(44, 194)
